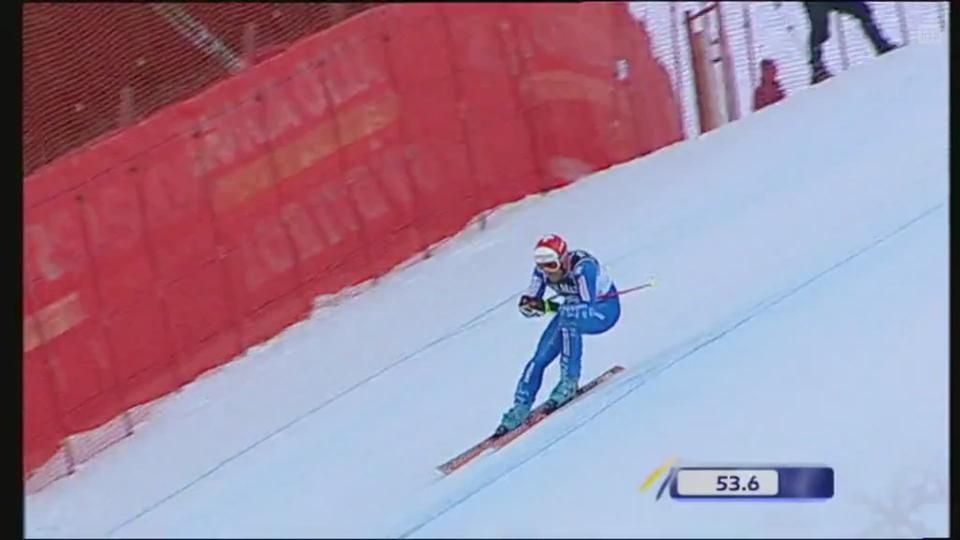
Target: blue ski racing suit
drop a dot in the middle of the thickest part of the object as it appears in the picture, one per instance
(591, 306)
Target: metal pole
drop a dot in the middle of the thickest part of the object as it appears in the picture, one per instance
(688, 23)
(249, 43)
(731, 93)
(751, 53)
(904, 30)
(842, 43)
(197, 34)
(126, 114)
(677, 73)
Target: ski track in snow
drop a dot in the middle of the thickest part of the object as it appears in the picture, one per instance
(632, 383)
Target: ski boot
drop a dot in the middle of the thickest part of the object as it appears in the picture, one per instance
(885, 47)
(565, 390)
(820, 73)
(512, 419)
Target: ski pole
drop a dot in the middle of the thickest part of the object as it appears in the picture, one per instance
(651, 283)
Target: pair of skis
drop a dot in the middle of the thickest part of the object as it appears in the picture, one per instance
(537, 415)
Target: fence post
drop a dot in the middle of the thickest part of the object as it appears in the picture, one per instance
(126, 114)
(516, 70)
(461, 112)
(731, 93)
(842, 43)
(904, 30)
(688, 25)
(249, 43)
(338, 140)
(275, 180)
(151, 249)
(625, 90)
(677, 73)
(50, 379)
(408, 149)
(704, 74)
(231, 295)
(102, 318)
(751, 53)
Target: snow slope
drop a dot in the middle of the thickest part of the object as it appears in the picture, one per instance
(800, 316)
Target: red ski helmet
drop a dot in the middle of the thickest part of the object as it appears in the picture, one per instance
(548, 253)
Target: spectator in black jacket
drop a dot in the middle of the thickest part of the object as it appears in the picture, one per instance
(819, 12)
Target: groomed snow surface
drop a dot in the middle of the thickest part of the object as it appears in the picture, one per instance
(800, 316)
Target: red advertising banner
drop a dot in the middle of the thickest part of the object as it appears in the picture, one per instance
(170, 247)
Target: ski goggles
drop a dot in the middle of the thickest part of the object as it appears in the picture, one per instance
(549, 266)
(547, 262)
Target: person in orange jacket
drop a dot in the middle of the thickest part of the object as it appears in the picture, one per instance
(769, 91)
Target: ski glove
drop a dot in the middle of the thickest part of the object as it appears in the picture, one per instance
(531, 306)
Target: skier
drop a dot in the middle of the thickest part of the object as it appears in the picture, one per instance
(817, 13)
(591, 306)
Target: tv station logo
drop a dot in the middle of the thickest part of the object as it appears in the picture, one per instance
(929, 34)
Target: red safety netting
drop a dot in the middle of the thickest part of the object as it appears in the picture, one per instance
(165, 249)
(93, 67)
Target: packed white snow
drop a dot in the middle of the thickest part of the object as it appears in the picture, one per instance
(800, 316)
